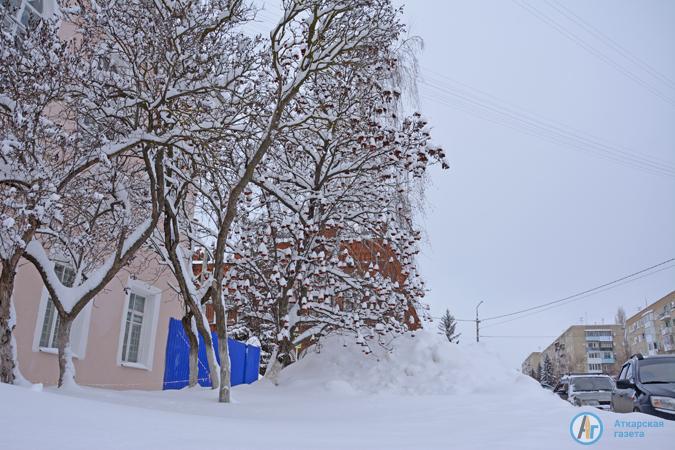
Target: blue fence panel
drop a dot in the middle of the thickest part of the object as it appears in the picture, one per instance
(244, 359)
(176, 365)
(237, 353)
(252, 365)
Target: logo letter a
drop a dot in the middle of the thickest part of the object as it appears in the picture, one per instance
(583, 428)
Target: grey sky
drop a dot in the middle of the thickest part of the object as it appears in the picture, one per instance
(518, 220)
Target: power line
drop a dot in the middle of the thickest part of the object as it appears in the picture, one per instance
(579, 298)
(553, 139)
(551, 132)
(610, 42)
(528, 116)
(592, 50)
(573, 298)
(456, 320)
(531, 336)
(505, 116)
(587, 291)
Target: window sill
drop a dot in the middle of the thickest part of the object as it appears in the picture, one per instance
(132, 365)
(53, 351)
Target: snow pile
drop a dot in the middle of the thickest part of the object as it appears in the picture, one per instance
(333, 400)
(423, 364)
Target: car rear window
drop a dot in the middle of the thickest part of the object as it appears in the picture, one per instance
(592, 384)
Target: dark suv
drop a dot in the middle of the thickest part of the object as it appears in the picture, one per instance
(646, 384)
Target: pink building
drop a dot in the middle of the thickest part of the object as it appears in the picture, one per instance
(119, 339)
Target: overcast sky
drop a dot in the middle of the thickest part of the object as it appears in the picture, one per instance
(520, 220)
(572, 186)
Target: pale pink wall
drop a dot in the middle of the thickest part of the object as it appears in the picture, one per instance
(99, 366)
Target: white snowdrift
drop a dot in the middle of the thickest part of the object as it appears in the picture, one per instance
(426, 394)
(423, 364)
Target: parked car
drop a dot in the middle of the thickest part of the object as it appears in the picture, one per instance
(586, 389)
(547, 386)
(646, 384)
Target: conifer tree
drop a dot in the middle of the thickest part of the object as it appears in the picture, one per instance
(447, 326)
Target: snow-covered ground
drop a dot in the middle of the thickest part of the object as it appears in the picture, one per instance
(427, 394)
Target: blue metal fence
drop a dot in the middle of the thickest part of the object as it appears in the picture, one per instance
(244, 359)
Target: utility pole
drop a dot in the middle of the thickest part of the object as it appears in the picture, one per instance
(478, 322)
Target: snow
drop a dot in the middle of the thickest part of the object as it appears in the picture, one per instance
(427, 394)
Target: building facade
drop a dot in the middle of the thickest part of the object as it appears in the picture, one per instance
(118, 340)
(650, 330)
(586, 349)
(531, 364)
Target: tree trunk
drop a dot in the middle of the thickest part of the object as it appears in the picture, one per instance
(193, 343)
(285, 356)
(273, 367)
(205, 333)
(7, 363)
(66, 366)
(223, 351)
(214, 368)
(281, 357)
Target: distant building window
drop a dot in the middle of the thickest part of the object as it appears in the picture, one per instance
(595, 367)
(598, 333)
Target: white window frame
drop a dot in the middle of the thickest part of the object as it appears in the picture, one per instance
(79, 332)
(146, 350)
(593, 368)
(48, 9)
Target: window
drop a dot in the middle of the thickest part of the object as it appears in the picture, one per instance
(21, 13)
(139, 326)
(598, 333)
(594, 383)
(132, 333)
(47, 324)
(624, 371)
(50, 324)
(595, 367)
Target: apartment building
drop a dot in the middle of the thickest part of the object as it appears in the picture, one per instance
(531, 364)
(587, 348)
(650, 330)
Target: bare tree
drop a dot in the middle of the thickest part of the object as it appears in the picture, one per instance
(327, 242)
(310, 38)
(623, 352)
(36, 68)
